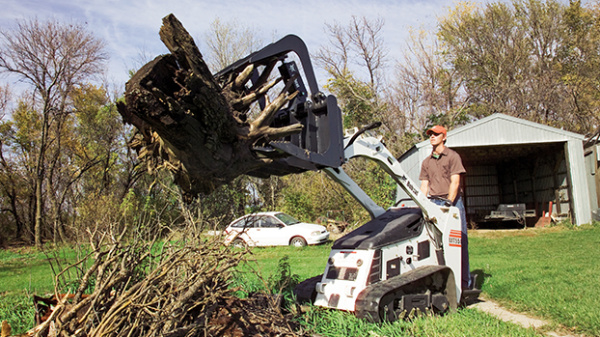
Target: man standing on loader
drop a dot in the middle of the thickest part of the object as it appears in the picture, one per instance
(440, 181)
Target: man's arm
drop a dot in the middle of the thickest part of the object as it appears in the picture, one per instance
(425, 186)
(454, 185)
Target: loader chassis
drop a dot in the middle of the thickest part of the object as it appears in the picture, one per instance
(385, 269)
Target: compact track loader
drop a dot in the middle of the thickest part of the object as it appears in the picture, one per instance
(405, 258)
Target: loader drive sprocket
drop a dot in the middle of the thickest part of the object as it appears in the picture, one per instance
(426, 288)
(305, 291)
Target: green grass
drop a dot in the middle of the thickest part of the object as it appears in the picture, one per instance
(263, 264)
(18, 311)
(466, 322)
(23, 273)
(310, 261)
(25, 270)
(305, 262)
(549, 273)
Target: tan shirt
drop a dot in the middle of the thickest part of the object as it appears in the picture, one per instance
(438, 171)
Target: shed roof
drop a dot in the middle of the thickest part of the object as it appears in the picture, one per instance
(501, 129)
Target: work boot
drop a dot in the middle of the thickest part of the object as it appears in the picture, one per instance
(471, 294)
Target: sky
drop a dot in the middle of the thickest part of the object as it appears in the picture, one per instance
(130, 27)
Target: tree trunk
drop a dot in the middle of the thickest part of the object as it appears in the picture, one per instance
(39, 181)
(37, 227)
(192, 125)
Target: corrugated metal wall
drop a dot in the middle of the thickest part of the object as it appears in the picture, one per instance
(592, 159)
(482, 191)
(534, 183)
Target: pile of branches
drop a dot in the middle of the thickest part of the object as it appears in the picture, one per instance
(143, 289)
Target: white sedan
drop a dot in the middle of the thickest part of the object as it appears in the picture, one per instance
(273, 229)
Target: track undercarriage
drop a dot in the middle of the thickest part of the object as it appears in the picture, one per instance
(427, 289)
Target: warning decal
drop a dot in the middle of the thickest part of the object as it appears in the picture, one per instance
(454, 239)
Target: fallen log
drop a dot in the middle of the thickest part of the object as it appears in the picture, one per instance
(192, 125)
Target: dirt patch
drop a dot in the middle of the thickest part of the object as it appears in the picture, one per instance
(253, 316)
(500, 233)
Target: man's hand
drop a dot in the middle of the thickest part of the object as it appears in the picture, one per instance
(447, 202)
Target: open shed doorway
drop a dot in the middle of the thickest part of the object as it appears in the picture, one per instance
(503, 178)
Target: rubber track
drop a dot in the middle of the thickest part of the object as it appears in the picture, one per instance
(368, 301)
(305, 291)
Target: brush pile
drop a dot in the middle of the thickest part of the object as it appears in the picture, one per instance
(145, 289)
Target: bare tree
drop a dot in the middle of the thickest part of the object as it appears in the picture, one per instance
(52, 58)
(359, 43)
(228, 42)
(426, 87)
(356, 51)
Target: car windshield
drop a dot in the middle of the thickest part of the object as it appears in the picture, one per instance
(286, 218)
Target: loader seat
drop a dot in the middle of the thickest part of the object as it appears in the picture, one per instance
(395, 225)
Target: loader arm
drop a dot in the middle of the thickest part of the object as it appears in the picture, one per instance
(373, 149)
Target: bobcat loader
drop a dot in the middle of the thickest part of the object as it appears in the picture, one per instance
(405, 258)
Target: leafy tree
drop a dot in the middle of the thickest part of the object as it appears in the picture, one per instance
(530, 59)
(101, 136)
(579, 59)
(52, 58)
(4, 99)
(312, 195)
(490, 52)
(16, 184)
(357, 99)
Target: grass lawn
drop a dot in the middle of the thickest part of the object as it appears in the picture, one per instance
(23, 272)
(550, 273)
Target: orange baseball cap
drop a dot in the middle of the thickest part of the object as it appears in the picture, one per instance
(436, 129)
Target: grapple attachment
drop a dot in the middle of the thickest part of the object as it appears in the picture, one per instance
(320, 143)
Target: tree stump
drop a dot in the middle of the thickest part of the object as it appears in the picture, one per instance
(192, 125)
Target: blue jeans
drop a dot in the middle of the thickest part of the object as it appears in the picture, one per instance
(466, 271)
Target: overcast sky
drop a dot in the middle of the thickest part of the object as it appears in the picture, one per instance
(131, 27)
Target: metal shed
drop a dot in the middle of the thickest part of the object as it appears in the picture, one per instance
(513, 161)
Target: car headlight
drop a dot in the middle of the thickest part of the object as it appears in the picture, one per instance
(315, 233)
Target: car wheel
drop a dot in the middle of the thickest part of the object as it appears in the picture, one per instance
(238, 243)
(297, 241)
